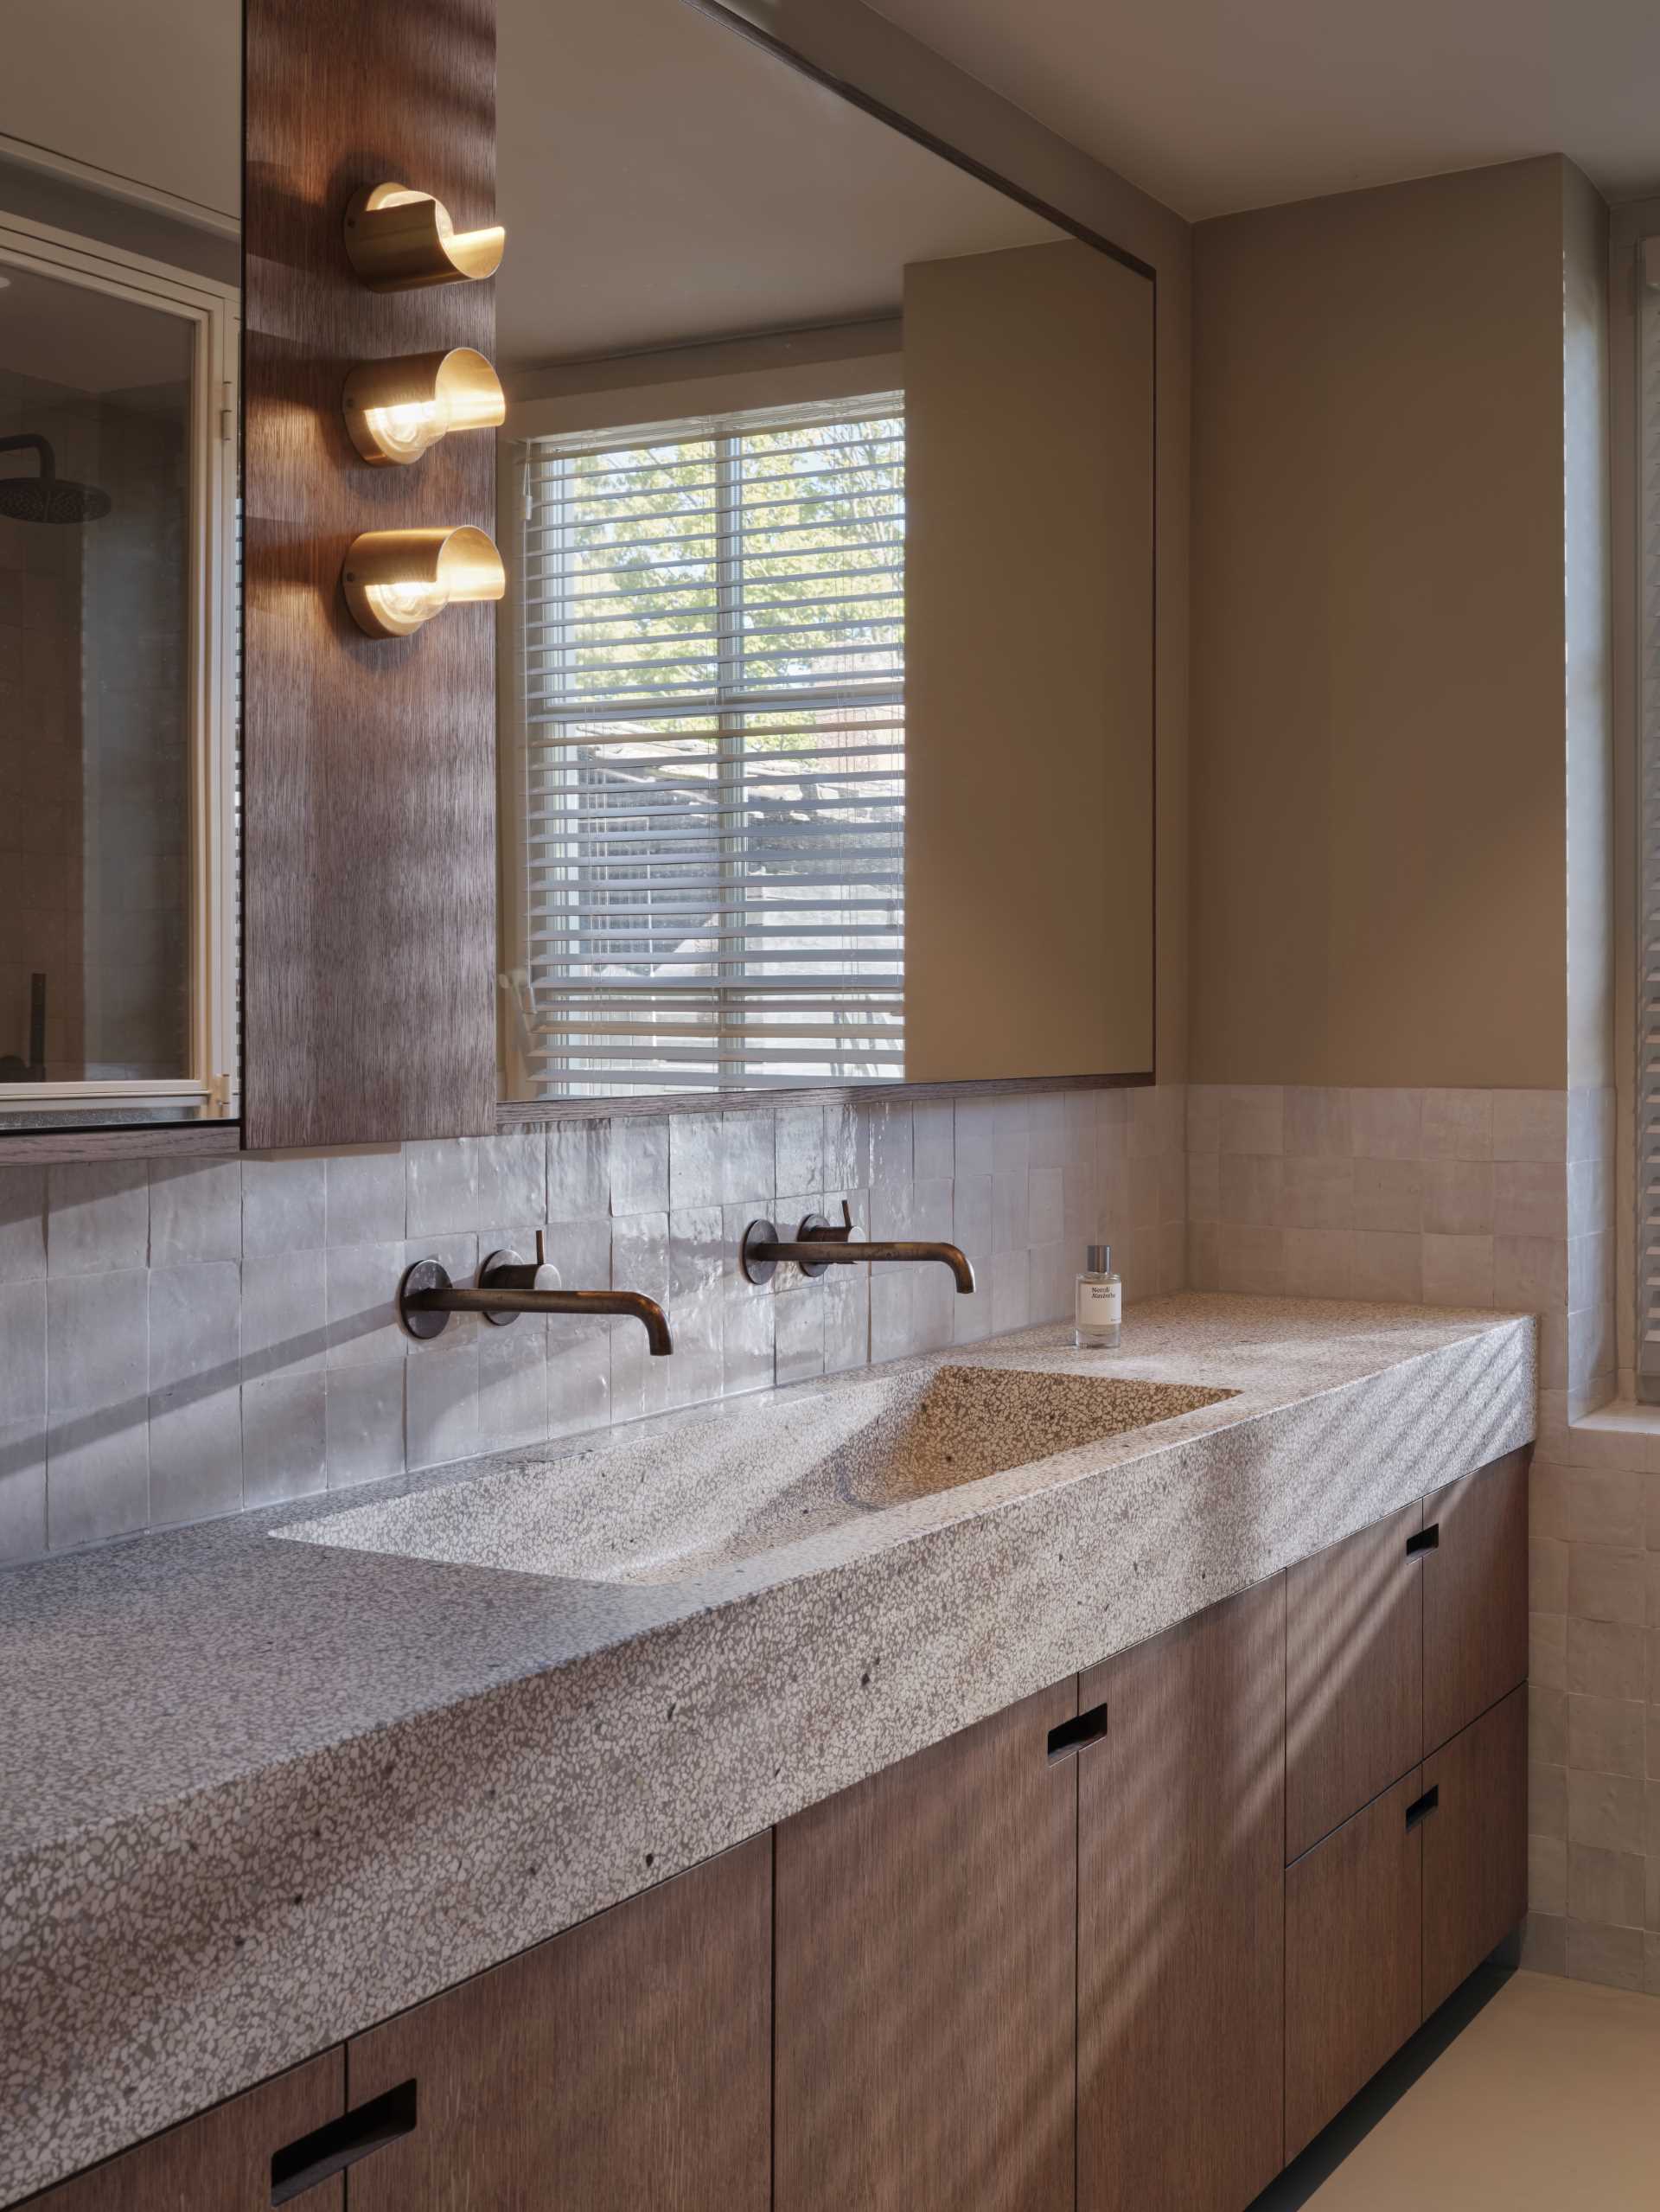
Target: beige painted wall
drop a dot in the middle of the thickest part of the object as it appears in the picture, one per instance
(1379, 844)
(861, 48)
(1028, 666)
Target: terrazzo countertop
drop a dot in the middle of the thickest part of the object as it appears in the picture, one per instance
(256, 1795)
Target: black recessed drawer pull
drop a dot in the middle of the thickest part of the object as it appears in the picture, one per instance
(1072, 1735)
(1421, 1807)
(1427, 1539)
(340, 2143)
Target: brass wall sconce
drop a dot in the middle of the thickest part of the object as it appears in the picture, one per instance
(399, 240)
(398, 410)
(395, 580)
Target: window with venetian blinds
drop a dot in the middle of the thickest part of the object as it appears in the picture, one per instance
(1648, 966)
(713, 689)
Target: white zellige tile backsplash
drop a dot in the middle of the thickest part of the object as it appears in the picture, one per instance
(184, 1340)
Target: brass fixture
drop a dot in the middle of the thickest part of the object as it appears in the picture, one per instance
(816, 1245)
(397, 579)
(507, 1286)
(398, 410)
(399, 240)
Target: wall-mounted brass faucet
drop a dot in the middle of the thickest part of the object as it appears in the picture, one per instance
(507, 1286)
(817, 1244)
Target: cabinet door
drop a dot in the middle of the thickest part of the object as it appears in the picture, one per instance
(926, 1980)
(1475, 1845)
(1354, 1980)
(1354, 1675)
(1181, 1900)
(1475, 1595)
(624, 2064)
(221, 2162)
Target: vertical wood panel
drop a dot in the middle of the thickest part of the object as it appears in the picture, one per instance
(368, 802)
(1475, 1595)
(1354, 1967)
(1354, 1677)
(925, 1965)
(220, 2162)
(625, 2063)
(1181, 1903)
(1475, 1846)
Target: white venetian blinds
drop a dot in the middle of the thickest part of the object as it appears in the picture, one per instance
(1647, 640)
(713, 637)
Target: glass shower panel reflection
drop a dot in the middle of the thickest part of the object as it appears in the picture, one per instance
(95, 657)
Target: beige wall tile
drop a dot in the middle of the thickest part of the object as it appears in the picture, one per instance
(1530, 1198)
(1458, 1125)
(1388, 1194)
(1318, 1122)
(1204, 1186)
(1547, 1801)
(1544, 1944)
(1529, 1273)
(1317, 1192)
(1587, 1505)
(1389, 1267)
(1457, 1270)
(1203, 1255)
(1388, 1124)
(1252, 1184)
(1606, 1660)
(1318, 1262)
(1204, 1117)
(1548, 1731)
(1547, 1651)
(1607, 1583)
(1611, 1955)
(1253, 1118)
(1604, 1736)
(1547, 1874)
(1605, 1887)
(1605, 1812)
(1458, 1198)
(1547, 1561)
(1530, 1125)
(1252, 1259)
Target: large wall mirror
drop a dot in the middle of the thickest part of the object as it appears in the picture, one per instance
(825, 669)
(120, 182)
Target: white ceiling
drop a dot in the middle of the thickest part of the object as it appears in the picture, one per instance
(1213, 105)
(663, 181)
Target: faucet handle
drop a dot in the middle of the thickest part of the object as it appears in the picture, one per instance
(542, 1248)
(822, 1233)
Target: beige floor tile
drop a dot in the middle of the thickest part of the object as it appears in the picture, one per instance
(1547, 2099)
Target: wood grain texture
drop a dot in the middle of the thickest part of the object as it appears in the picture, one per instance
(1354, 1677)
(219, 2161)
(1475, 1845)
(1475, 1596)
(1353, 1980)
(368, 764)
(925, 1976)
(1181, 1904)
(626, 2062)
(131, 1141)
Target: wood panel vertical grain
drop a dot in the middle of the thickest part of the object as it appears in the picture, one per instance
(1181, 1911)
(219, 2161)
(926, 1980)
(367, 769)
(1475, 1595)
(625, 2063)
(1354, 1675)
(1475, 1845)
(1354, 1964)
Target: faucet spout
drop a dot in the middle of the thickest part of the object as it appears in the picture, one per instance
(507, 1288)
(818, 1244)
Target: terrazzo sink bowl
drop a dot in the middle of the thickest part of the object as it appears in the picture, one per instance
(723, 1492)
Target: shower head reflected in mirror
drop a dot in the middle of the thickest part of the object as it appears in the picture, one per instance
(47, 497)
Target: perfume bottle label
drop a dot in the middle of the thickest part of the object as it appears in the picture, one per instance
(1100, 1304)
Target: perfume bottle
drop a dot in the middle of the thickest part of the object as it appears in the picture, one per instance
(1099, 1311)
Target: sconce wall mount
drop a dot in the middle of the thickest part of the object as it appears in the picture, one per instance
(400, 240)
(395, 580)
(398, 410)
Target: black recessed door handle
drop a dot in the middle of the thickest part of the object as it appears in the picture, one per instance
(340, 2143)
(1427, 1539)
(1421, 1807)
(1072, 1735)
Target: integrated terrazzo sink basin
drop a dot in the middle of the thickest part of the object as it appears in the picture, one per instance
(723, 1493)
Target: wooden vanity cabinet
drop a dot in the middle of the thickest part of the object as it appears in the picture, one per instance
(1354, 1675)
(1475, 1845)
(926, 1962)
(1181, 1896)
(1475, 1595)
(221, 2160)
(625, 2063)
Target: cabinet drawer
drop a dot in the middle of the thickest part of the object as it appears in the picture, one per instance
(1475, 1595)
(1354, 1675)
(1354, 1981)
(1475, 1845)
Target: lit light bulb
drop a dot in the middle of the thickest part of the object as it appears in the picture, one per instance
(395, 580)
(398, 410)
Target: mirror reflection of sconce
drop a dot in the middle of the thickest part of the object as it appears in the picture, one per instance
(395, 580)
(399, 240)
(398, 410)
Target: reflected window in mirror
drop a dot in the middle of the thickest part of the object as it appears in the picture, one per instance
(713, 753)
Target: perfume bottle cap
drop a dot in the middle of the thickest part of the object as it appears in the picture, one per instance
(1098, 1258)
